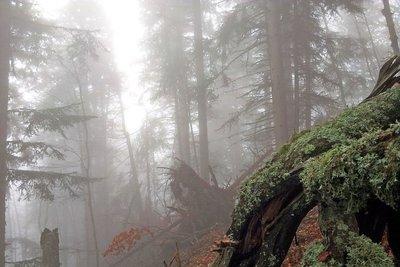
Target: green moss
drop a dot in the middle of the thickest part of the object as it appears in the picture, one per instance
(332, 139)
(310, 258)
(346, 247)
(361, 251)
(348, 175)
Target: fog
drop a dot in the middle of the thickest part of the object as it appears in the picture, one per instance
(128, 125)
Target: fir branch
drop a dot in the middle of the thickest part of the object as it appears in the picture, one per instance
(41, 184)
(50, 120)
(28, 153)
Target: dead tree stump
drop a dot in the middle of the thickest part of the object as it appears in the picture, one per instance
(49, 243)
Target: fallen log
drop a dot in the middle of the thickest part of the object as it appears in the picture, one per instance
(341, 166)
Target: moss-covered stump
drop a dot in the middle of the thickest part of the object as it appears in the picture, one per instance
(343, 165)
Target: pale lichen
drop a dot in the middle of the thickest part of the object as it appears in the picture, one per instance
(360, 251)
(348, 175)
(346, 135)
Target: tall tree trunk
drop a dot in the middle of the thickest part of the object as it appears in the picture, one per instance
(195, 157)
(136, 194)
(182, 123)
(286, 31)
(148, 202)
(336, 66)
(87, 167)
(5, 55)
(279, 92)
(201, 90)
(182, 112)
(308, 89)
(390, 24)
(308, 75)
(296, 66)
(374, 50)
(364, 49)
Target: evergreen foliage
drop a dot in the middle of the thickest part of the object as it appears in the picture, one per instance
(42, 184)
(25, 156)
(312, 51)
(33, 121)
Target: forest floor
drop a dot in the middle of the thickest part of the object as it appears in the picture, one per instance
(201, 253)
(307, 233)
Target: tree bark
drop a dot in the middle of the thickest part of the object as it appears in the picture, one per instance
(136, 195)
(364, 49)
(374, 50)
(182, 112)
(87, 167)
(308, 75)
(201, 90)
(296, 66)
(386, 11)
(336, 65)
(279, 92)
(5, 55)
(49, 242)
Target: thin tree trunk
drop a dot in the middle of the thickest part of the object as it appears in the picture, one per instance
(390, 24)
(86, 170)
(5, 55)
(308, 78)
(136, 195)
(182, 98)
(336, 65)
(364, 49)
(201, 90)
(195, 158)
(279, 92)
(286, 7)
(374, 50)
(183, 126)
(148, 204)
(308, 90)
(296, 66)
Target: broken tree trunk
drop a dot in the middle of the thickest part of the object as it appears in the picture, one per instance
(201, 205)
(341, 166)
(49, 242)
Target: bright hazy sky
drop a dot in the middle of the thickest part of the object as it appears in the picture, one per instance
(124, 18)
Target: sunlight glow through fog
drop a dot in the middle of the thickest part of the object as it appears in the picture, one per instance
(124, 19)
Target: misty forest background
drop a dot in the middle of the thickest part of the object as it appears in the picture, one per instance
(221, 84)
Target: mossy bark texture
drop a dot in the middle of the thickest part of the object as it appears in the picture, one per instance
(343, 166)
